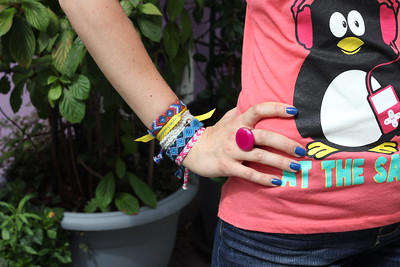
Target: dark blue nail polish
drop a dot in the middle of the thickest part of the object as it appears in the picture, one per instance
(276, 182)
(291, 110)
(295, 166)
(300, 151)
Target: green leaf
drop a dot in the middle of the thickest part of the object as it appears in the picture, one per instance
(174, 8)
(10, 207)
(127, 7)
(32, 216)
(127, 203)
(18, 224)
(62, 49)
(51, 43)
(23, 219)
(186, 26)
(43, 41)
(36, 14)
(20, 74)
(72, 109)
(65, 80)
(80, 87)
(64, 258)
(54, 23)
(38, 236)
(2, 5)
(129, 145)
(28, 231)
(52, 79)
(105, 191)
(178, 64)
(6, 156)
(52, 234)
(52, 103)
(91, 206)
(149, 9)
(134, 3)
(200, 3)
(120, 168)
(171, 39)
(5, 234)
(4, 85)
(29, 250)
(22, 43)
(55, 92)
(142, 190)
(198, 12)
(22, 203)
(6, 20)
(43, 61)
(75, 57)
(16, 97)
(64, 24)
(150, 28)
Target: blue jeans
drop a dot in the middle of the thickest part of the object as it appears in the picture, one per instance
(377, 247)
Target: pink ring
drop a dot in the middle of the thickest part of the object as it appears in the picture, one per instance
(245, 139)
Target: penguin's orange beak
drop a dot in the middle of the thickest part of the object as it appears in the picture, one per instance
(350, 45)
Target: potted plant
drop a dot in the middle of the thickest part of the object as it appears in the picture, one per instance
(87, 160)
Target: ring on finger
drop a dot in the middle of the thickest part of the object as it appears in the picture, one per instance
(245, 139)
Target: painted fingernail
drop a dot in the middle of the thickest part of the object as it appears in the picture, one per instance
(291, 110)
(295, 166)
(300, 151)
(276, 182)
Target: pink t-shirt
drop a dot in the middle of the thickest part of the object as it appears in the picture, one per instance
(337, 62)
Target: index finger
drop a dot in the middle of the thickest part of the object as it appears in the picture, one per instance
(267, 109)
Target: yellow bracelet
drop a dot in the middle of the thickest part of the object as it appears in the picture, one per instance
(170, 125)
(149, 137)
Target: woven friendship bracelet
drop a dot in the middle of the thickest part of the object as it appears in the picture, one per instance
(184, 137)
(177, 130)
(161, 133)
(170, 125)
(173, 134)
(159, 123)
(185, 179)
(189, 146)
(176, 136)
(182, 171)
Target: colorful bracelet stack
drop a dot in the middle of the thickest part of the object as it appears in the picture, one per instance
(160, 122)
(177, 130)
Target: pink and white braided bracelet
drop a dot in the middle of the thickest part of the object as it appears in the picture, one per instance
(184, 153)
(189, 146)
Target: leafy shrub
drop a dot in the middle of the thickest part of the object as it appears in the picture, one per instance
(32, 237)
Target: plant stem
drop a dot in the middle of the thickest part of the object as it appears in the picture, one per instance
(54, 149)
(73, 162)
(19, 128)
(89, 170)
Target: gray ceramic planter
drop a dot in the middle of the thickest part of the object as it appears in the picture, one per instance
(115, 239)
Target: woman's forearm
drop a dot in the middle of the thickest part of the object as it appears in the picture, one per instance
(114, 44)
(112, 40)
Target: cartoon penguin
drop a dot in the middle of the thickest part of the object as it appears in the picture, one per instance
(346, 90)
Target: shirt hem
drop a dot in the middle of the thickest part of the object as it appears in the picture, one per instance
(312, 227)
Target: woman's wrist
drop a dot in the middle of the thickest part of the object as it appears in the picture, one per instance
(178, 131)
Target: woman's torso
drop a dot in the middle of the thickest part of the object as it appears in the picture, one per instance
(329, 59)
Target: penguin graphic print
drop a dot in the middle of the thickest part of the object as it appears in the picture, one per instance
(348, 86)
